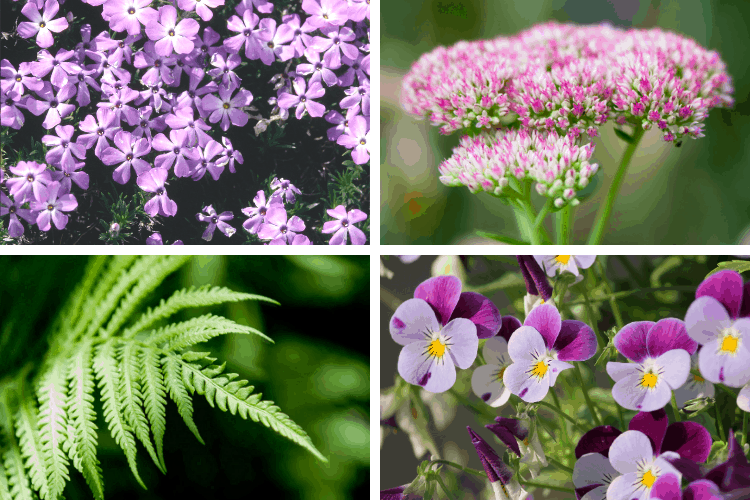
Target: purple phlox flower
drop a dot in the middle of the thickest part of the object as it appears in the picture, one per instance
(108, 66)
(262, 6)
(118, 103)
(224, 69)
(8, 206)
(299, 239)
(98, 46)
(487, 380)
(58, 64)
(205, 47)
(569, 263)
(276, 225)
(155, 96)
(696, 386)
(540, 350)
(284, 189)
(537, 283)
(247, 37)
(271, 41)
(226, 108)
(660, 354)
(319, 69)
(112, 85)
(98, 130)
(177, 147)
(335, 44)
(129, 15)
(10, 115)
(500, 475)
(345, 225)
(170, 35)
(215, 220)
(304, 99)
(32, 178)
(153, 181)
(206, 152)
(358, 10)
(300, 34)
(257, 215)
(155, 239)
(63, 147)
(229, 155)
(69, 174)
(734, 473)
(359, 66)
(16, 81)
(159, 66)
(201, 7)
(42, 24)
(192, 96)
(83, 79)
(325, 13)
(718, 320)
(342, 124)
(53, 104)
(145, 125)
(124, 48)
(357, 139)
(355, 95)
(182, 119)
(667, 487)
(52, 205)
(127, 154)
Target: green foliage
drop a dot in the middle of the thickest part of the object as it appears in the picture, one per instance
(97, 340)
(740, 266)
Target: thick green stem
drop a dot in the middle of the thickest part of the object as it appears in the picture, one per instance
(719, 424)
(612, 300)
(592, 319)
(564, 224)
(460, 467)
(524, 227)
(620, 416)
(676, 409)
(585, 390)
(531, 216)
(744, 429)
(605, 211)
(539, 222)
(445, 488)
(548, 486)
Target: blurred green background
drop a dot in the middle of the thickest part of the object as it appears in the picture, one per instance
(695, 194)
(317, 372)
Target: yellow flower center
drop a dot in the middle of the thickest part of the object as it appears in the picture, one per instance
(649, 380)
(540, 369)
(648, 479)
(436, 348)
(562, 259)
(730, 342)
(501, 373)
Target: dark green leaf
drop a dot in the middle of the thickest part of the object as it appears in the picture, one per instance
(503, 239)
(624, 136)
(740, 266)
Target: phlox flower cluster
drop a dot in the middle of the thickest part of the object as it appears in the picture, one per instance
(489, 162)
(157, 96)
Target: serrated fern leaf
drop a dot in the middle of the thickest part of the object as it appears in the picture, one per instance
(4, 491)
(52, 393)
(224, 391)
(178, 393)
(187, 333)
(31, 447)
(83, 418)
(193, 297)
(154, 398)
(106, 370)
(18, 481)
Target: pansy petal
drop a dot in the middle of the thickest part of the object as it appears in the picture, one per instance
(653, 424)
(668, 334)
(526, 344)
(507, 430)
(667, 487)
(597, 440)
(743, 399)
(726, 287)
(442, 293)
(596, 493)
(481, 311)
(584, 261)
(419, 368)
(495, 351)
(704, 318)
(625, 488)
(630, 341)
(462, 334)
(592, 468)
(555, 368)
(630, 394)
(412, 320)
(688, 439)
(702, 490)
(547, 321)
(576, 342)
(719, 367)
(618, 370)
(745, 309)
(676, 366)
(630, 448)
(510, 325)
(518, 379)
(488, 387)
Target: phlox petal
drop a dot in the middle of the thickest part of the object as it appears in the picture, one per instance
(357, 236)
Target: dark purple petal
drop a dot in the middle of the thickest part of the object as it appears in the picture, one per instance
(508, 429)
(745, 309)
(597, 440)
(535, 272)
(494, 467)
(547, 321)
(510, 325)
(631, 340)
(704, 490)
(576, 341)
(653, 424)
(667, 487)
(690, 470)
(726, 287)
(580, 492)
(481, 311)
(393, 493)
(442, 293)
(668, 334)
(735, 472)
(530, 286)
(690, 439)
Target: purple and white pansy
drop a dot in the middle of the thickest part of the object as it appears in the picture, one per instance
(487, 380)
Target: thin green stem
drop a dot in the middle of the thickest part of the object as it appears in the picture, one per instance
(719, 424)
(605, 211)
(534, 484)
(563, 426)
(676, 409)
(627, 293)
(589, 403)
(564, 224)
(632, 271)
(562, 414)
(612, 300)
(620, 416)
(445, 488)
(744, 429)
(460, 467)
(592, 319)
(560, 466)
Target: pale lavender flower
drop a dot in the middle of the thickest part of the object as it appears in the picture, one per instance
(146, 124)
(10, 115)
(360, 66)
(325, 13)
(262, 6)
(178, 147)
(182, 119)
(32, 179)
(170, 35)
(357, 139)
(53, 104)
(224, 69)
(342, 124)
(301, 37)
(51, 206)
(153, 181)
(59, 66)
(118, 103)
(258, 214)
(319, 69)
(159, 67)
(69, 174)
(226, 107)
(284, 189)
(17, 81)
(276, 225)
(229, 155)
(206, 152)
(201, 7)
(335, 44)
(42, 24)
(345, 225)
(357, 95)
(155, 239)
(304, 99)
(98, 130)
(215, 220)
(247, 37)
(8, 206)
(128, 152)
(299, 239)
(63, 147)
(192, 96)
(271, 41)
(129, 15)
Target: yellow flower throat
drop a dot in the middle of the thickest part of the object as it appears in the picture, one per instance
(436, 348)
(649, 380)
(540, 369)
(562, 259)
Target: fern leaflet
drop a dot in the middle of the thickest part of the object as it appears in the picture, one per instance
(31, 447)
(179, 394)
(187, 333)
(155, 399)
(52, 393)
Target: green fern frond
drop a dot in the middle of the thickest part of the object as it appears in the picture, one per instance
(18, 481)
(179, 394)
(194, 331)
(52, 394)
(31, 447)
(154, 398)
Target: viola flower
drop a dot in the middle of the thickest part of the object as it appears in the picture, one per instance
(247, 37)
(32, 178)
(63, 147)
(276, 225)
(668, 487)
(569, 263)
(229, 155)
(17, 81)
(201, 7)
(176, 148)
(215, 220)
(357, 139)
(51, 206)
(500, 475)
(42, 24)
(345, 225)
(69, 174)
(299, 239)
(130, 15)
(520, 435)
(153, 181)
(695, 387)
(487, 380)
(734, 473)
(304, 99)
(155, 239)
(53, 104)
(538, 289)
(227, 108)
(170, 35)
(632, 455)
(284, 189)
(325, 13)
(257, 215)
(335, 44)
(271, 41)
(98, 130)
(8, 206)
(592, 475)
(128, 153)
(660, 354)
(540, 350)
(716, 320)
